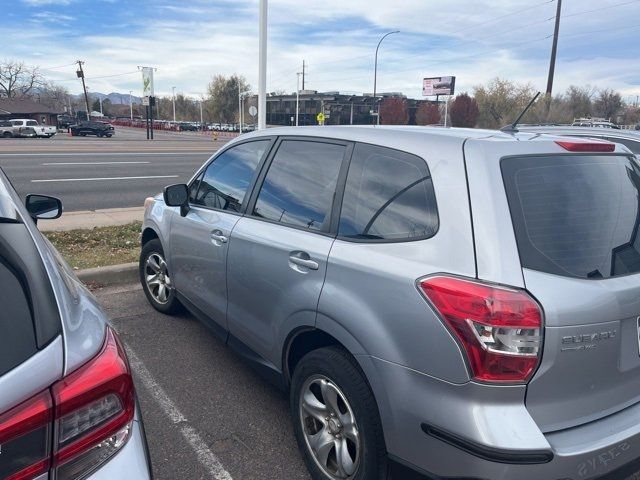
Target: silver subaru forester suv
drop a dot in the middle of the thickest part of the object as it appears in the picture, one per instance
(447, 303)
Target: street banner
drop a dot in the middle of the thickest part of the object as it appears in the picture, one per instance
(147, 82)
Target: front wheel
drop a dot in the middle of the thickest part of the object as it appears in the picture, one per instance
(156, 280)
(336, 418)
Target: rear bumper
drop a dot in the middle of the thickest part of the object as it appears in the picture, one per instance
(472, 431)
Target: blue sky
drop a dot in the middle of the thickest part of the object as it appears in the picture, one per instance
(189, 42)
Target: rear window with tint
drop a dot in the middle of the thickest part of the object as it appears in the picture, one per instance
(576, 216)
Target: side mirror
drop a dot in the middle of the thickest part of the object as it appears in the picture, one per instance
(177, 196)
(43, 207)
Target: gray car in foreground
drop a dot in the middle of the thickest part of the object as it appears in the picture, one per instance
(445, 303)
(67, 402)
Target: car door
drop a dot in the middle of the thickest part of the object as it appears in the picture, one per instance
(278, 251)
(199, 240)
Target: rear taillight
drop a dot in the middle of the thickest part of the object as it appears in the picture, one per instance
(75, 426)
(94, 407)
(25, 439)
(499, 329)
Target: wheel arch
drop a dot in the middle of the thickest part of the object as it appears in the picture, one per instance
(148, 234)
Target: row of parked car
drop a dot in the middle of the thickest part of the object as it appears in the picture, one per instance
(447, 303)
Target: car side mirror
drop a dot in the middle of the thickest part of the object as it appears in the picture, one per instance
(177, 196)
(43, 207)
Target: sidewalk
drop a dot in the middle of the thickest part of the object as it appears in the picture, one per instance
(95, 218)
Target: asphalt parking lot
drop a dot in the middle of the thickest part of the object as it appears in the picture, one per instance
(207, 414)
(89, 173)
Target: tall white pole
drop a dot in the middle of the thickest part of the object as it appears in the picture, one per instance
(173, 89)
(446, 111)
(131, 104)
(201, 119)
(298, 98)
(262, 77)
(239, 105)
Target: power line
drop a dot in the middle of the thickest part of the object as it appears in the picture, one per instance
(599, 9)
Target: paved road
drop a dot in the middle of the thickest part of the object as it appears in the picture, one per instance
(88, 173)
(207, 414)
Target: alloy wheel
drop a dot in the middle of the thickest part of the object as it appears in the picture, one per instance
(329, 427)
(157, 278)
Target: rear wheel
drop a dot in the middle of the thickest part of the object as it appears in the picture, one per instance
(156, 279)
(336, 418)
(7, 135)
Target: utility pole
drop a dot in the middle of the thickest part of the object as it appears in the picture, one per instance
(375, 76)
(554, 51)
(239, 104)
(303, 73)
(131, 104)
(298, 95)
(80, 74)
(201, 117)
(173, 90)
(262, 76)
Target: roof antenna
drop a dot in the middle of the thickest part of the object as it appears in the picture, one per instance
(513, 128)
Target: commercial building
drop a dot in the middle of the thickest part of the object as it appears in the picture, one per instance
(12, 108)
(338, 108)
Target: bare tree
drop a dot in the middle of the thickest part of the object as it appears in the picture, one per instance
(18, 80)
(608, 104)
(222, 103)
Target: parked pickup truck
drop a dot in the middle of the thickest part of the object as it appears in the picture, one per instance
(26, 123)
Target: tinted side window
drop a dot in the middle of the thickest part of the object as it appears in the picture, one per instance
(32, 123)
(388, 196)
(300, 184)
(227, 179)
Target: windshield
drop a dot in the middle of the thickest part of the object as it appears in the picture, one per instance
(576, 216)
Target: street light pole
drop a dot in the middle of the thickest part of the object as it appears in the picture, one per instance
(262, 77)
(173, 90)
(201, 117)
(131, 104)
(375, 74)
(298, 98)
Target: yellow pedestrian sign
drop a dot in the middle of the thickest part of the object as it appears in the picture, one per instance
(320, 118)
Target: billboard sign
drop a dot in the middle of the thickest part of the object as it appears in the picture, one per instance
(147, 82)
(438, 86)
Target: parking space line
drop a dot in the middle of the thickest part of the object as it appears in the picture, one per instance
(95, 163)
(205, 456)
(101, 179)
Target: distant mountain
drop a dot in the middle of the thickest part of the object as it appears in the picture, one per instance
(114, 97)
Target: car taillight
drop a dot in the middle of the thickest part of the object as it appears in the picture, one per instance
(499, 329)
(25, 438)
(94, 408)
(74, 427)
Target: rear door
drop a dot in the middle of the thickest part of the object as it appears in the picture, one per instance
(576, 220)
(278, 252)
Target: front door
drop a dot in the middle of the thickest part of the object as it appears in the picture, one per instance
(278, 252)
(200, 240)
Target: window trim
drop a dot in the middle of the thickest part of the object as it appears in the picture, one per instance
(327, 226)
(202, 171)
(336, 223)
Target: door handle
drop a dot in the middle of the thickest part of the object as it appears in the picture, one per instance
(302, 262)
(218, 237)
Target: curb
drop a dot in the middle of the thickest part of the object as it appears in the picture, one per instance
(110, 276)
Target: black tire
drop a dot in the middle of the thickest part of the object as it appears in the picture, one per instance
(99, 135)
(7, 135)
(153, 248)
(341, 369)
(109, 135)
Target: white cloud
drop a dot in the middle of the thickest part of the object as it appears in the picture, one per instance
(337, 38)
